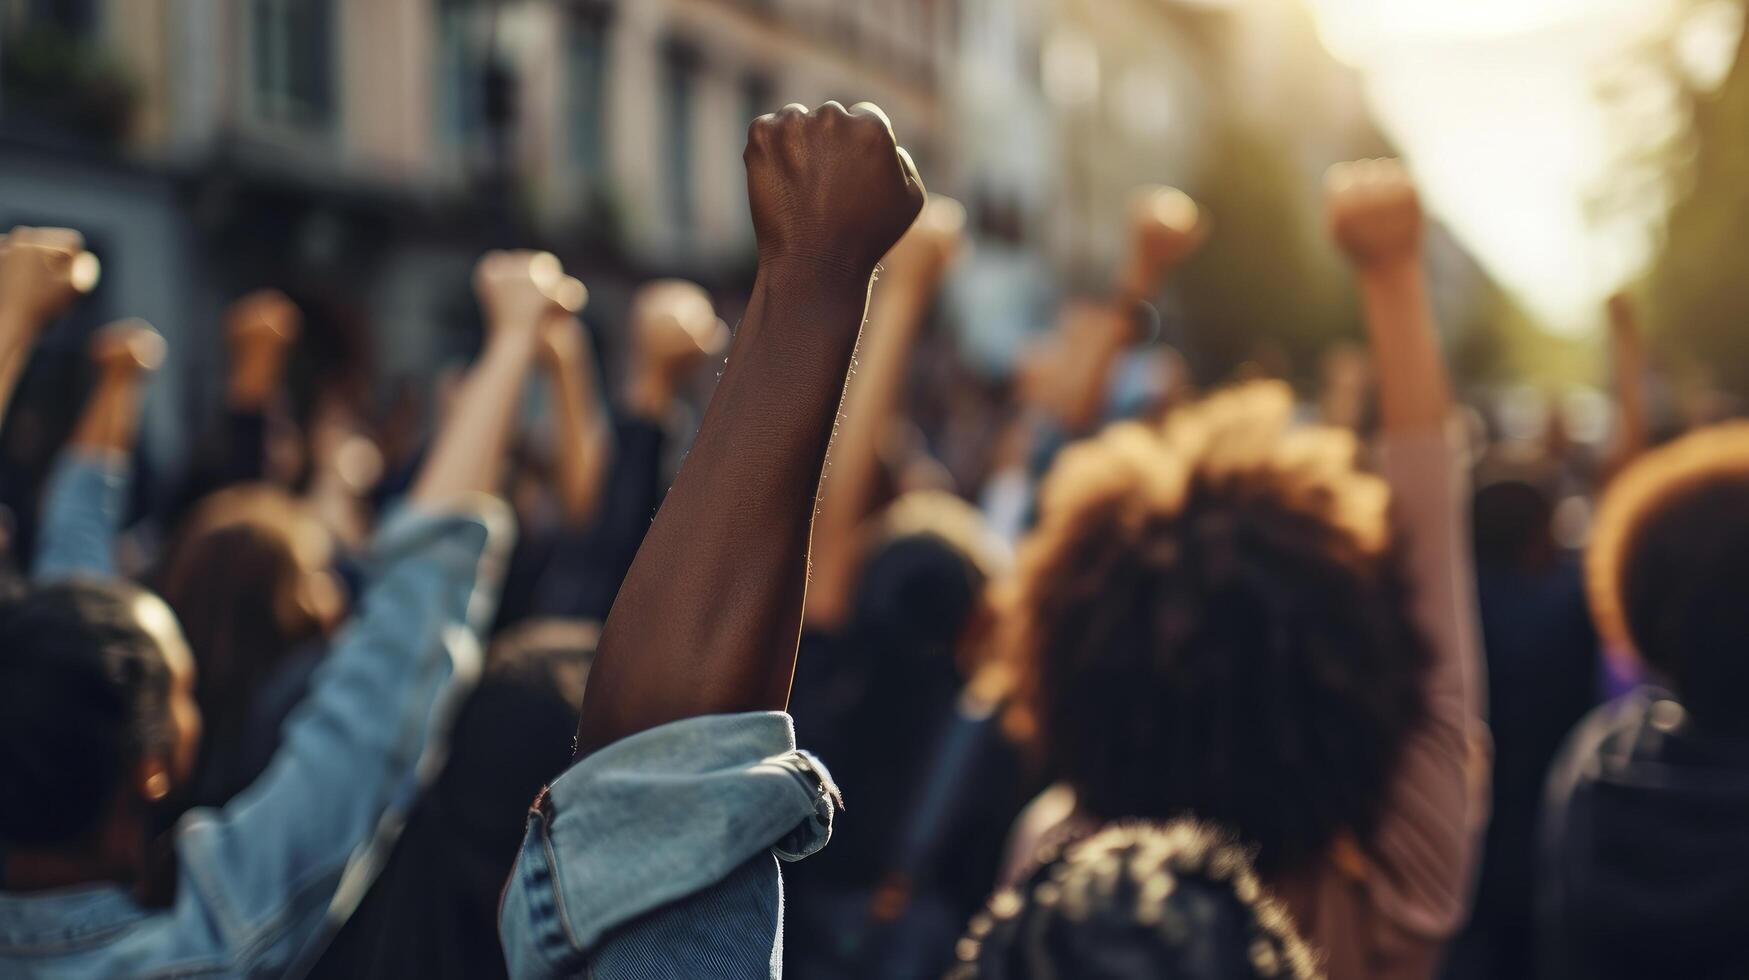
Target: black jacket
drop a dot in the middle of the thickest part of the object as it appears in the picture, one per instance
(1646, 848)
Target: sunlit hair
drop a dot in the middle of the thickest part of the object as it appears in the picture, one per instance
(1211, 619)
(954, 521)
(1137, 900)
(236, 577)
(1665, 568)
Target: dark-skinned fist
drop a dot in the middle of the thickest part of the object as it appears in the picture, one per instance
(830, 189)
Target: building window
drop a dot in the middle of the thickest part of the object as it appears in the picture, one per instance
(683, 62)
(587, 77)
(461, 75)
(291, 50)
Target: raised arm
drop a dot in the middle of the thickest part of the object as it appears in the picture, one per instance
(1166, 229)
(1628, 362)
(353, 752)
(87, 493)
(910, 275)
(709, 615)
(261, 329)
(41, 271)
(1423, 853)
(584, 438)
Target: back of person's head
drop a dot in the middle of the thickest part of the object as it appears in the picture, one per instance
(250, 578)
(1136, 902)
(922, 585)
(1512, 523)
(433, 910)
(1666, 568)
(1211, 618)
(93, 703)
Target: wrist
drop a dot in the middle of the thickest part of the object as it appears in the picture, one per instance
(1390, 271)
(817, 271)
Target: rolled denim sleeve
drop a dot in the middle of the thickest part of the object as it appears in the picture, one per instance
(294, 851)
(659, 854)
(83, 506)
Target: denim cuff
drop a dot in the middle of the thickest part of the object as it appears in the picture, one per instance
(653, 819)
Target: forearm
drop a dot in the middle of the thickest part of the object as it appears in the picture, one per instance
(468, 455)
(871, 402)
(15, 333)
(111, 419)
(583, 443)
(255, 379)
(1414, 395)
(708, 617)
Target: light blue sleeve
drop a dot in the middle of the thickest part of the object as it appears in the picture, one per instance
(289, 856)
(658, 855)
(84, 503)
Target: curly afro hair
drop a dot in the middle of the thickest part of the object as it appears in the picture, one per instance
(1666, 564)
(1137, 900)
(1212, 619)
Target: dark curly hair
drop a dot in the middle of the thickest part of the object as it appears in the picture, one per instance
(1666, 564)
(1135, 901)
(1212, 619)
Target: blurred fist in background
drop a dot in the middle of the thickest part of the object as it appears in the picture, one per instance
(127, 348)
(1374, 213)
(929, 247)
(42, 270)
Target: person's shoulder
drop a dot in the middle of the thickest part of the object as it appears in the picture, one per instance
(1615, 737)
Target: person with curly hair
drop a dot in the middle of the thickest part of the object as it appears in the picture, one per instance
(1224, 617)
(1645, 868)
(1164, 901)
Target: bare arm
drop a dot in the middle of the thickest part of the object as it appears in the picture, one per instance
(468, 454)
(125, 353)
(708, 617)
(1629, 358)
(583, 436)
(41, 271)
(261, 329)
(1423, 851)
(1166, 229)
(910, 275)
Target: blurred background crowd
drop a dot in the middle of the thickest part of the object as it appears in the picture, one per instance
(295, 193)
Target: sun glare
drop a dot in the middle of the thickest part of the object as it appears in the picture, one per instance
(1495, 105)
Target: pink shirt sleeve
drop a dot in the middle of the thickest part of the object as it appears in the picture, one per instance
(1421, 862)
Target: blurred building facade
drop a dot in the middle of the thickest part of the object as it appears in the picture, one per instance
(361, 154)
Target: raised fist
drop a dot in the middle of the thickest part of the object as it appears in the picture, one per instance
(1166, 228)
(43, 269)
(929, 247)
(266, 319)
(831, 188)
(1375, 214)
(127, 347)
(519, 290)
(675, 327)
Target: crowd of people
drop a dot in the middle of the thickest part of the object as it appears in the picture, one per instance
(1249, 683)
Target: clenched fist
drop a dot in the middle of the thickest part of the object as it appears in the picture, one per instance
(127, 347)
(520, 290)
(1166, 228)
(830, 189)
(42, 270)
(264, 320)
(1375, 214)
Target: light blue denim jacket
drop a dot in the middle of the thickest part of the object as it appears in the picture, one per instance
(658, 856)
(262, 881)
